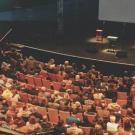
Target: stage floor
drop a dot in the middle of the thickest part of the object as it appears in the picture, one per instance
(80, 48)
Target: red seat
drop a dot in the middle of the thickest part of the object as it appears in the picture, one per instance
(38, 82)
(68, 87)
(46, 83)
(43, 75)
(121, 102)
(30, 79)
(59, 77)
(41, 110)
(133, 104)
(64, 115)
(56, 85)
(24, 97)
(52, 76)
(76, 88)
(73, 96)
(29, 86)
(90, 117)
(53, 115)
(122, 95)
(103, 113)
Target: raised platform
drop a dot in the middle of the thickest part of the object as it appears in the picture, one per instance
(94, 41)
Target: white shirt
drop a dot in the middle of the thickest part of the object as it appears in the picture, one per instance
(112, 127)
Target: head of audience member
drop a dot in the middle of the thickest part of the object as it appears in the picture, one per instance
(112, 118)
(129, 111)
(43, 89)
(77, 77)
(127, 125)
(32, 119)
(114, 100)
(51, 61)
(66, 63)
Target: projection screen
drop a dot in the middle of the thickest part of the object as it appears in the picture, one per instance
(117, 10)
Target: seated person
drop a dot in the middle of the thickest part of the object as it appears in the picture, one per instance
(33, 125)
(128, 127)
(112, 126)
(19, 122)
(74, 130)
(91, 109)
(76, 106)
(98, 95)
(59, 128)
(114, 106)
(7, 94)
(73, 119)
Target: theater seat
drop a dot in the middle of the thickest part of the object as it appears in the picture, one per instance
(53, 115)
(64, 115)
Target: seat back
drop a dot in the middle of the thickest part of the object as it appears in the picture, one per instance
(24, 97)
(41, 110)
(90, 117)
(121, 102)
(103, 113)
(38, 82)
(64, 115)
(59, 78)
(30, 79)
(52, 76)
(56, 85)
(46, 83)
(53, 115)
(133, 104)
(122, 95)
(43, 75)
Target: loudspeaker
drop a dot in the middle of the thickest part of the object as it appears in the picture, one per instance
(121, 54)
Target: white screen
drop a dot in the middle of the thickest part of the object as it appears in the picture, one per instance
(117, 10)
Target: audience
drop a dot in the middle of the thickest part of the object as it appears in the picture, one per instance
(82, 90)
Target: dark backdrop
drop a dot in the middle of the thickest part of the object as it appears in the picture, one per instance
(80, 22)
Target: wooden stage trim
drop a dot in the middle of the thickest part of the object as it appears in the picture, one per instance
(93, 40)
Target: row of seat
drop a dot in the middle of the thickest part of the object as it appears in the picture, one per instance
(39, 82)
(122, 97)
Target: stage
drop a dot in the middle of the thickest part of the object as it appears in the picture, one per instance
(80, 49)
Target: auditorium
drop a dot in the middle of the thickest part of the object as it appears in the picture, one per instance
(67, 67)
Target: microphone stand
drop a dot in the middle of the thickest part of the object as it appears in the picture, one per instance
(7, 33)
